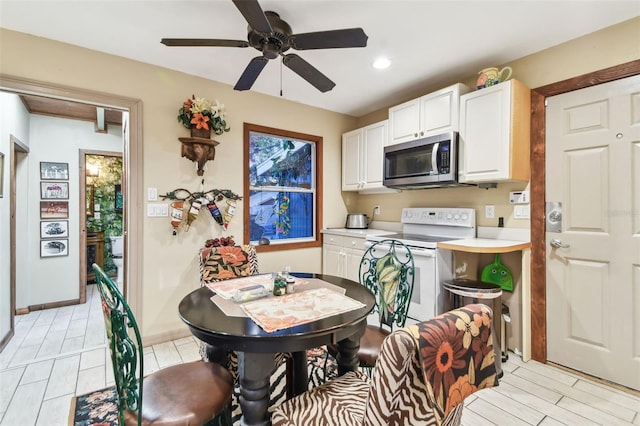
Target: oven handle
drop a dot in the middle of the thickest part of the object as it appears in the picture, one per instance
(415, 251)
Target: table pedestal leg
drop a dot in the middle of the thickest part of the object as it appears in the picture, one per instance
(255, 373)
(347, 357)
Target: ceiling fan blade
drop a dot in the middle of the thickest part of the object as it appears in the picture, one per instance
(349, 37)
(203, 42)
(307, 71)
(254, 15)
(251, 73)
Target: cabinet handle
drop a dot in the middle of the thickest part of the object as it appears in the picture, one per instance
(421, 133)
(415, 135)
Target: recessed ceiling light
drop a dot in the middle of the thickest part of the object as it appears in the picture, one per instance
(381, 63)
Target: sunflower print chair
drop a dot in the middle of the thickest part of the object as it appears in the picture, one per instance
(422, 376)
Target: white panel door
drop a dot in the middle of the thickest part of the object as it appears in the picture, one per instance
(593, 267)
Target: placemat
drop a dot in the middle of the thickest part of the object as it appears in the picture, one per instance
(234, 309)
(277, 313)
(227, 288)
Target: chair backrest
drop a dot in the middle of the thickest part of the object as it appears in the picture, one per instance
(223, 263)
(387, 269)
(425, 371)
(125, 345)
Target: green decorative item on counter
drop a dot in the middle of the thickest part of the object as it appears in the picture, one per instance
(497, 273)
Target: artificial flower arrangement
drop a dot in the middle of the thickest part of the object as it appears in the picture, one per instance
(204, 114)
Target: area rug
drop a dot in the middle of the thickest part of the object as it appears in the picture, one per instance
(99, 408)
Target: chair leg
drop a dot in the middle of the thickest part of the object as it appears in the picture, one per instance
(290, 378)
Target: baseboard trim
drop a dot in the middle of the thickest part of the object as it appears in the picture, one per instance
(167, 336)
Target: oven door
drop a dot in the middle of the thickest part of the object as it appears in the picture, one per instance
(424, 297)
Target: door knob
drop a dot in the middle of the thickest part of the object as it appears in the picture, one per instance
(556, 243)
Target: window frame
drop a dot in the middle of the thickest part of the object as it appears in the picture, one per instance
(317, 140)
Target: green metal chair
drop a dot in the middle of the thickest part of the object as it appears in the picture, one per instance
(190, 393)
(387, 269)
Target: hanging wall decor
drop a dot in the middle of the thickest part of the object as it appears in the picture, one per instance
(201, 117)
(187, 206)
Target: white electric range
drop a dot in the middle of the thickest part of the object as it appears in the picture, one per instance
(422, 229)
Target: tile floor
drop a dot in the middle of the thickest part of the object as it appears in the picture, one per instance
(58, 353)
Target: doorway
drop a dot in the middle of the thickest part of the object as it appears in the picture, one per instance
(101, 190)
(593, 148)
(539, 318)
(132, 160)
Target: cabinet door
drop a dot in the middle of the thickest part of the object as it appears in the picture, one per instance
(351, 160)
(404, 122)
(439, 111)
(352, 264)
(485, 117)
(332, 260)
(374, 139)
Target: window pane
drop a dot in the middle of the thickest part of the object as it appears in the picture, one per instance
(281, 215)
(277, 161)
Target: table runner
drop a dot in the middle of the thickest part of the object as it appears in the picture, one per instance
(277, 313)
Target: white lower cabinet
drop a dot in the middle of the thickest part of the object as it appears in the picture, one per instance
(341, 255)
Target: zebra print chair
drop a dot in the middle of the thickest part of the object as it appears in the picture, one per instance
(422, 377)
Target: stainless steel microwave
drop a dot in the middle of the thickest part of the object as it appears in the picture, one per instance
(422, 163)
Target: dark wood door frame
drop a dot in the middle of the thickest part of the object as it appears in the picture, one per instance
(538, 140)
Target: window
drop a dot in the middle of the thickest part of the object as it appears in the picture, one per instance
(282, 188)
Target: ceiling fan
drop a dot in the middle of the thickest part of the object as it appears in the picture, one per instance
(273, 36)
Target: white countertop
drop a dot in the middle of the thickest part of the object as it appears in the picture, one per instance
(355, 232)
(485, 245)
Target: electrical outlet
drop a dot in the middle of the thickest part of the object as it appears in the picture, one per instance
(376, 209)
(489, 211)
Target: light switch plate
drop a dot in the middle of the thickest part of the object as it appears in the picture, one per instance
(521, 212)
(152, 194)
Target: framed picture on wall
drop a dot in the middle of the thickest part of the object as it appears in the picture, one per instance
(54, 190)
(54, 171)
(54, 209)
(54, 229)
(54, 248)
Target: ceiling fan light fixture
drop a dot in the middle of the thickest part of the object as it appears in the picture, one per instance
(381, 63)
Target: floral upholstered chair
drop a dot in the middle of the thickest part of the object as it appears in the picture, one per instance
(422, 376)
(223, 263)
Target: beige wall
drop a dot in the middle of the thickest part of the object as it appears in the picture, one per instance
(611, 46)
(169, 266)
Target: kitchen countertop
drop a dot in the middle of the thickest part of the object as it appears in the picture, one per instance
(485, 245)
(361, 233)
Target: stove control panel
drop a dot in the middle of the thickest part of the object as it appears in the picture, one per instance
(441, 216)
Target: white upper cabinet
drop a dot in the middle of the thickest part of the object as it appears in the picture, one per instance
(362, 157)
(428, 115)
(495, 133)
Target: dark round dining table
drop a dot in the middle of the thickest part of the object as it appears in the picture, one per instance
(256, 348)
